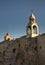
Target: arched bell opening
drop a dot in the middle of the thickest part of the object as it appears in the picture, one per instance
(29, 30)
(34, 29)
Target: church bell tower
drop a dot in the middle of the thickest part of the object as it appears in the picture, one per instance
(32, 27)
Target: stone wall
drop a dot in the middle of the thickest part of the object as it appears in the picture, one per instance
(23, 51)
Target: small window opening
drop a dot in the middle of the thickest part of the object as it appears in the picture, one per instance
(35, 48)
(27, 49)
(40, 47)
(9, 64)
(19, 45)
(14, 50)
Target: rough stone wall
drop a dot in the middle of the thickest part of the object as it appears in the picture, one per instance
(23, 51)
(41, 49)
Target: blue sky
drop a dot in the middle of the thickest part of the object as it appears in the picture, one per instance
(14, 16)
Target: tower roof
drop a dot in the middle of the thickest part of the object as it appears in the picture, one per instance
(32, 16)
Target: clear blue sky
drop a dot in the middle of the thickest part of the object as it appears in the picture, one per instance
(14, 15)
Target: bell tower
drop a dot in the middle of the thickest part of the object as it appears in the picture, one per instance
(32, 27)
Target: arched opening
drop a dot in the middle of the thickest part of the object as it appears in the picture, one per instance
(35, 29)
(14, 50)
(8, 39)
(29, 30)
